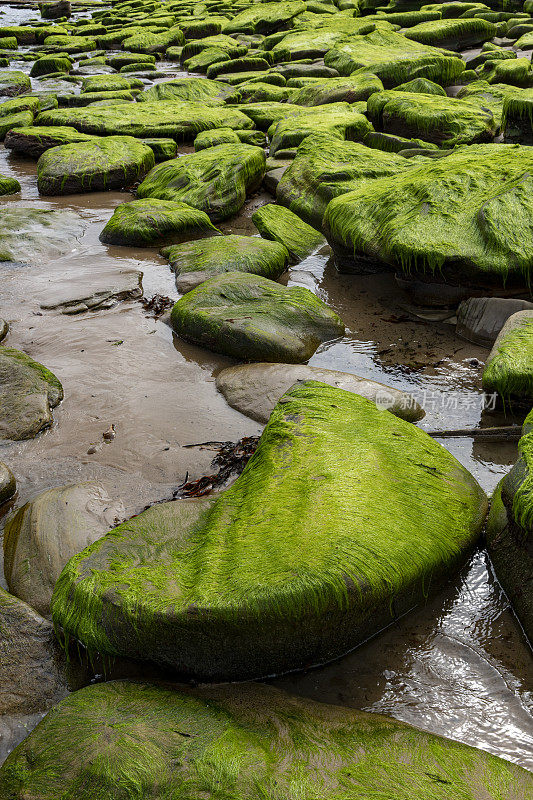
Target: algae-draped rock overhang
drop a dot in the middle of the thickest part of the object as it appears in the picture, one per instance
(344, 518)
(120, 740)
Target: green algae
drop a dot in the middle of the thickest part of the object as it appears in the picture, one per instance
(151, 222)
(509, 369)
(215, 180)
(196, 262)
(336, 90)
(196, 90)
(109, 83)
(265, 17)
(13, 83)
(17, 104)
(464, 218)
(281, 225)
(226, 587)
(228, 44)
(338, 119)
(33, 141)
(453, 34)
(19, 119)
(8, 185)
(111, 162)
(50, 64)
(213, 138)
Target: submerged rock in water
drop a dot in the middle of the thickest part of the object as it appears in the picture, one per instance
(215, 180)
(254, 389)
(480, 319)
(343, 519)
(248, 741)
(27, 234)
(281, 225)
(46, 532)
(8, 484)
(112, 162)
(442, 220)
(93, 291)
(196, 262)
(509, 367)
(28, 392)
(150, 222)
(250, 317)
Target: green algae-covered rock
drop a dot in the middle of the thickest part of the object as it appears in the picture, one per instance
(196, 90)
(214, 180)
(283, 226)
(422, 86)
(445, 121)
(150, 43)
(517, 117)
(8, 484)
(162, 148)
(110, 83)
(196, 262)
(228, 44)
(28, 392)
(50, 64)
(14, 83)
(509, 367)
(491, 97)
(113, 162)
(151, 222)
(213, 138)
(181, 121)
(394, 59)
(20, 119)
(516, 72)
(337, 90)
(8, 185)
(17, 104)
(35, 234)
(263, 114)
(34, 141)
(46, 532)
(252, 318)
(465, 218)
(343, 518)
(265, 17)
(455, 34)
(90, 98)
(119, 60)
(242, 742)
(341, 121)
(326, 167)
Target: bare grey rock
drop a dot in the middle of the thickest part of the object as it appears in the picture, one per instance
(8, 484)
(28, 392)
(94, 291)
(480, 319)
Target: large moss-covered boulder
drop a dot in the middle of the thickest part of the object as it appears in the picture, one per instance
(196, 262)
(455, 34)
(509, 367)
(28, 392)
(265, 17)
(517, 117)
(181, 121)
(17, 120)
(394, 59)
(254, 389)
(8, 484)
(196, 90)
(46, 532)
(250, 317)
(13, 83)
(338, 90)
(215, 180)
(8, 185)
(283, 226)
(446, 121)
(109, 83)
(151, 222)
(112, 162)
(343, 518)
(338, 119)
(33, 141)
(326, 167)
(465, 219)
(27, 234)
(242, 741)
(50, 64)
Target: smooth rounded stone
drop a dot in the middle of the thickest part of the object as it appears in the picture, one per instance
(196, 262)
(13, 83)
(246, 742)
(326, 167)
(480, 319)
(8, 185)
(8, 484)
(254, 389)
(27, 234)
(146, 223)
(215, 180)
(196, 90)
(99, 290)
(17, 120)
(28, 392)
(253, 581)
(337, 90)
(281, 225)
(509, 367)
(181, 121)
(345, 123)
(119, 60)
(445, 121)
(266, 18)
(33, 141)
(50, 64)
(46, 532)
(442, 220)
(233, 47)
(250, 317)
(113, 162)
(421, 86)
(207, 139)
(393, 58)
(454, 34)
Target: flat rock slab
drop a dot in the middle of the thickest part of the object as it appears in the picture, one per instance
(281, 225)
(33, 141)
(509, 367)
(46, 532)
(94, 291)
(162, 739)
(13, 83)
(196, 262)
(339, 119)
(254, 389)
(249, 317)
(480, 319)
(113, 162)
(152, 221)
(215, 180)
(343, 519)
(28, 392)
(27, 234)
